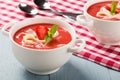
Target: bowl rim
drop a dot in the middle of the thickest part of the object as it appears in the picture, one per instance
(65, 23)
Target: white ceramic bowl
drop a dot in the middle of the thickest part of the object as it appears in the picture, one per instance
(44, 61)
(105, 31)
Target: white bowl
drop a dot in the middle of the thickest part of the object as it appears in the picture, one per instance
(105, 31)
(44, 61)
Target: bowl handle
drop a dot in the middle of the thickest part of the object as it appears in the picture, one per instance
(78, 45)
(6, 28)
(82, 20)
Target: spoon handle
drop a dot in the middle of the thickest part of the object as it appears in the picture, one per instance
(70, 15)
(67, 14)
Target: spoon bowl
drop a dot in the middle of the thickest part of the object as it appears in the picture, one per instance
(42, 4)
(28, 9)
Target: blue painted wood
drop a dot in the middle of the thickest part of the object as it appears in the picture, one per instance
(81, 69)
(115, 75)
(76, 69)
(10, 68)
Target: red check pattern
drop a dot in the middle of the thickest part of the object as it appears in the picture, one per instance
(108, 56)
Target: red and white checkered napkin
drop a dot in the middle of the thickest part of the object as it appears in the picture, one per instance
(108, 56)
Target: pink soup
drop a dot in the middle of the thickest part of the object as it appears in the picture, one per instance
(32, 40)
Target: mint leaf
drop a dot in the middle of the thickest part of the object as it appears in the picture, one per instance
(51, 33)
(113, 7)
(47, 38)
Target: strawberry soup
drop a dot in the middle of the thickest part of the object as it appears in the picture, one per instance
(102, 10)
(33, 36)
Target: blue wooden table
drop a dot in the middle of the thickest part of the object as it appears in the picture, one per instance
(76, 69)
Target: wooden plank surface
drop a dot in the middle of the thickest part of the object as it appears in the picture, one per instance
(81, 69)
(10, 68)
(76, 69)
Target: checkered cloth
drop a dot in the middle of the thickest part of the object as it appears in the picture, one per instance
(108, 56)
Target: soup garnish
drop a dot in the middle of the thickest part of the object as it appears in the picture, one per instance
(113, 8)
(51, 33)
(46, 34)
